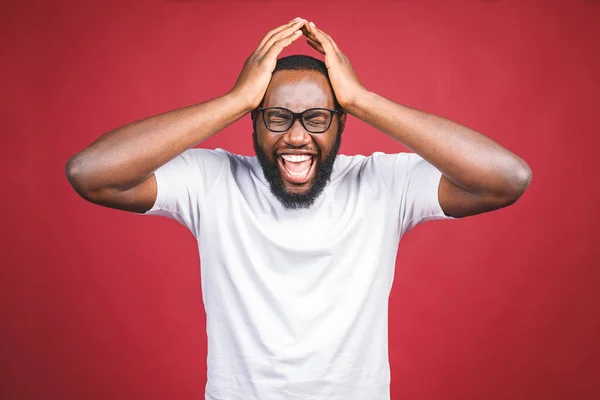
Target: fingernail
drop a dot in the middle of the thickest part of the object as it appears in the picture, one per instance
(312, 24)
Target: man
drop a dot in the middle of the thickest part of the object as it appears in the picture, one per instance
(298, 245)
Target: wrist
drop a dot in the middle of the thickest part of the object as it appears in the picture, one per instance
(240, 101)
(358, 102)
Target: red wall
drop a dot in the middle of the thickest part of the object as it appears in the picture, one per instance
(102, 304)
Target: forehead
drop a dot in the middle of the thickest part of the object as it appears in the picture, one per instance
(298, 91)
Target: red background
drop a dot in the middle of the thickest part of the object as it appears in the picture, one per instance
(103, 304)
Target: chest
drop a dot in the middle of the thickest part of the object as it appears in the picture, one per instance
(345, 218)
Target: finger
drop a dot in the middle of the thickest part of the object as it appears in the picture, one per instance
(310, 31)
(333, 43)
(275, 31)
(306, 31)
(281, 35)
(323, 39)
(281, 44)
(315, 45)
(311, 39)
(285, 31)
(272, 32)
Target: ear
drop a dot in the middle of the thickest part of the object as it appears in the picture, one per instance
(342, 119)
(253, 116)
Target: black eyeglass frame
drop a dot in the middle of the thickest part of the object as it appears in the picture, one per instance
(297, 116)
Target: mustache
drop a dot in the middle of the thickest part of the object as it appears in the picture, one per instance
(292, 147)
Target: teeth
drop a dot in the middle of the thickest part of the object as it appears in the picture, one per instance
(298, 174)
(296, 157)
(297, 165)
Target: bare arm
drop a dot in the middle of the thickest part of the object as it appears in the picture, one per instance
(117, 170)
(126, 158)
(479, 175)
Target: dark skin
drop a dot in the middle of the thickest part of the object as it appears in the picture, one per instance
(117, 170)
(298, 91)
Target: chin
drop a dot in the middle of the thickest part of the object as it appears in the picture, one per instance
(297, 189)
(295, 184)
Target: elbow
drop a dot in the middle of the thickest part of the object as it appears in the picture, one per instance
(75, 173)
(519, 179)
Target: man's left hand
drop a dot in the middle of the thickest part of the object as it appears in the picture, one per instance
(345, 83)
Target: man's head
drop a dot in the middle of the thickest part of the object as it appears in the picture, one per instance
(298, 161)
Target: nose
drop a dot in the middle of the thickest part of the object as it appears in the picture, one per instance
(297, 135)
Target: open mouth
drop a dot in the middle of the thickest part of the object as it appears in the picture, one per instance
(297, 169)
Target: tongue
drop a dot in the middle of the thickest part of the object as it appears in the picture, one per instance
(297, 167)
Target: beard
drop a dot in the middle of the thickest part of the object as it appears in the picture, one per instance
(289, 200)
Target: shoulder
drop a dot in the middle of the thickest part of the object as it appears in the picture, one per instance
(215, 160)
(205, 157)
(223, 164)
(396, 160)
(376, 163)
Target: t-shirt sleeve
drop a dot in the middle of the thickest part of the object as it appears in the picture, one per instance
(413, 184)
(184, 183)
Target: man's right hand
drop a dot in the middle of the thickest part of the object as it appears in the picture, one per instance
(254, 79)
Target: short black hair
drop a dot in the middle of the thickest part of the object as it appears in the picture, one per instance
(301, 62)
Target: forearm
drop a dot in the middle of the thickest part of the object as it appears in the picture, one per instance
(469, 159)
(122, 158)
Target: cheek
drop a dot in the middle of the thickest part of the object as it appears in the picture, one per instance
(266, 142)
(326, 142)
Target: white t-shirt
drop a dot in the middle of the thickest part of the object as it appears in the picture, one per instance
(297, 301)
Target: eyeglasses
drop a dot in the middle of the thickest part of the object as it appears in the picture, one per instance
(314, 120)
